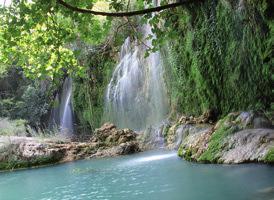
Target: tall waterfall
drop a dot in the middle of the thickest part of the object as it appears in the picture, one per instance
(136, 95)
(62, 116)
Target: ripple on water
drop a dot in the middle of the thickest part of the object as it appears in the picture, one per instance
(148, 176)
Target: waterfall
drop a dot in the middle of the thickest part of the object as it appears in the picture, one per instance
(62, 116)
(136, 96)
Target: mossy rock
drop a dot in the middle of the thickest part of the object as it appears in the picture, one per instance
(269, 158)
(17, 163)
(185, 153)
(225, 127)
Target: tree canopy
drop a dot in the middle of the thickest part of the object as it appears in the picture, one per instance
(40, 36)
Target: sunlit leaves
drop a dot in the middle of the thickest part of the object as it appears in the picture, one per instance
(36, 35)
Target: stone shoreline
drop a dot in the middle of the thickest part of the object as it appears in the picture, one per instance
(24, 152)
(240, 137)
(237, 138)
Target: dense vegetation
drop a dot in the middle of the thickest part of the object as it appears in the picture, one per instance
(219, 56)
(89, 91)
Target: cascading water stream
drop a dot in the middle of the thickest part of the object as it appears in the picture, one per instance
(136, 95)
(66, 122)
(62, 116)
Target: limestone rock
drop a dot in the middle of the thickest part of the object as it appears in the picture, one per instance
(110, 135)
(249, 145)
(238, 138)
(22, 152)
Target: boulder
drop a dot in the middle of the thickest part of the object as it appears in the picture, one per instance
(110, 135)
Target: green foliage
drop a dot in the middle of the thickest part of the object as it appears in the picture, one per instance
(21, 98)
(17, 163)
(216, 142)
(46, 41)
(6, 107)
(219, 56)
(12, 127)
(33, 107)
(36, 35)
(269, 158)
(88, 99)
(185, 153)
(180, 151)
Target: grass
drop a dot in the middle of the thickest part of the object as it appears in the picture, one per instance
(12, 127)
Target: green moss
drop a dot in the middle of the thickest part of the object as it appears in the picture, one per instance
(180, 151)
(216, 142)
(165, 131)
(221, 57)
(16, 163)
(185, 153)
(215, 145)
(10, 165)
(269, 158)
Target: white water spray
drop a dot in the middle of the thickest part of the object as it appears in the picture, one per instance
(62, 114)
(66, 116)
(136, 95)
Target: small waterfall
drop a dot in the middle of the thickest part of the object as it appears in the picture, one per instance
(66, 120)
(62, 115)
(136, 95)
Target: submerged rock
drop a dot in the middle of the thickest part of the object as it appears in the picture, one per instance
(23, 152)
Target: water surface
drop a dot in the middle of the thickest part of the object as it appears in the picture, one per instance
(155, 175)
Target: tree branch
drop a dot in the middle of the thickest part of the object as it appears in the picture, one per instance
(125, 14)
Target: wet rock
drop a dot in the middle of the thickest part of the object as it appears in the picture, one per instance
(110, 135)
(249, 145)
(171, 136)
(154, 136)
(122, 149)
(261, 122)
(128, 148)
(239, 137)
(178, 132)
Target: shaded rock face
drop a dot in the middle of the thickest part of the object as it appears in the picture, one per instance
(110, 135)
(23, 152)
(115, 141)
(154, 137)
(179, 132)
(238, 138)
